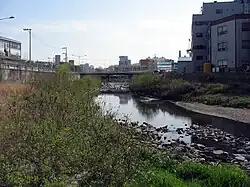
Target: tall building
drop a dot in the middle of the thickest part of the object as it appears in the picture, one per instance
(10, 48)
(202, 24)
(124, 63)
(230, 43)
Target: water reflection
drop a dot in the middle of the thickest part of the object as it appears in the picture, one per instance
(142, 112)
(124, 98)
(145, 110)
(160, 113)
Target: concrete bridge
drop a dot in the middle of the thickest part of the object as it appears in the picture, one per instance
(110, 73)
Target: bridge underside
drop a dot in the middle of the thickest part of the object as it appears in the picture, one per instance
(111, 78)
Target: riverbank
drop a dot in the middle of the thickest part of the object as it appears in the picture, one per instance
(236, 114)
(178, 89)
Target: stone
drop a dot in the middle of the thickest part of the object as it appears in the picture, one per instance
(241, 151)
(247, 148)
(247, 157)
(218, 152)
(240, 158)
(201, 146)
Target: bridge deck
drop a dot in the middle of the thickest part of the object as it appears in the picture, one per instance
(111, 73)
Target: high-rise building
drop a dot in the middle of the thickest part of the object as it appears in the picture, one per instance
(205, 29)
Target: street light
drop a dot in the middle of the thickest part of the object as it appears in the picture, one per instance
(29, 30)
(11, 17)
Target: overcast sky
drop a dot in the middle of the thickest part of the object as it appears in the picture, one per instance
(101, 29)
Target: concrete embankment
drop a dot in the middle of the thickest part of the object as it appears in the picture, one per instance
(237, 114)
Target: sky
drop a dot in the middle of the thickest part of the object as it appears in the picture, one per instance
(101, 29)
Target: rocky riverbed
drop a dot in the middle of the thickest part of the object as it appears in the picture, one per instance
(208, 144)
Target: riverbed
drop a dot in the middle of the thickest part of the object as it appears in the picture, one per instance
(198, 136)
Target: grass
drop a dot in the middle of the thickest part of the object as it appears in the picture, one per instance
(192, 175)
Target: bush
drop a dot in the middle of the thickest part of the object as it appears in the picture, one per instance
(55, 133)
(147, 81)
(223, 100)
(175, 89)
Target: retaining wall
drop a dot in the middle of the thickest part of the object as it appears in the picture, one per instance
(21, 76)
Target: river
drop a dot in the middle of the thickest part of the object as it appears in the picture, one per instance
(161, 113)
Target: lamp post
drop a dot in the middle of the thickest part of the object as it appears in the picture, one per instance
(29, 31)
(11, 17)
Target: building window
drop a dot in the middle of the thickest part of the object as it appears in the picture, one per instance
(245, 26)
(199, 47)
(219, 11)
(222, 30)
(200, 23)
(222, 65)
(222, 46)
(199, 35)
(199, 57)
(245, 44)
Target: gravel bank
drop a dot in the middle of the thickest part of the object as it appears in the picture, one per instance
(237, 114)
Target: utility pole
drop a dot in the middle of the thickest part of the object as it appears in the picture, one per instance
(29, 31)
(65, 53)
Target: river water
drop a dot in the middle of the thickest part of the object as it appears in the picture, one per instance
(161, 113)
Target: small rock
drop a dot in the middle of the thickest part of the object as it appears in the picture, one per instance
(218, 152)
(247, 148)
(241, 151)
(147, 124)
(240, 158)
(201, 146)
(247, 157)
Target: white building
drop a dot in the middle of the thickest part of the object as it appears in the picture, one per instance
(10, 48)
(201, 26)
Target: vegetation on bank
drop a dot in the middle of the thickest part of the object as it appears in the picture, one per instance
(54, 134)
(174, 87)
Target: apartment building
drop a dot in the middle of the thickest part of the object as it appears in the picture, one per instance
(204, 25)
(230, 43)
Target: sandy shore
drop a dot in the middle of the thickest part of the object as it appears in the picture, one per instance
(237, 114)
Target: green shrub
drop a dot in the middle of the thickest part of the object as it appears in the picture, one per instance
(224, 100)
(56, 131)
(147, 81)
(175, 89)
